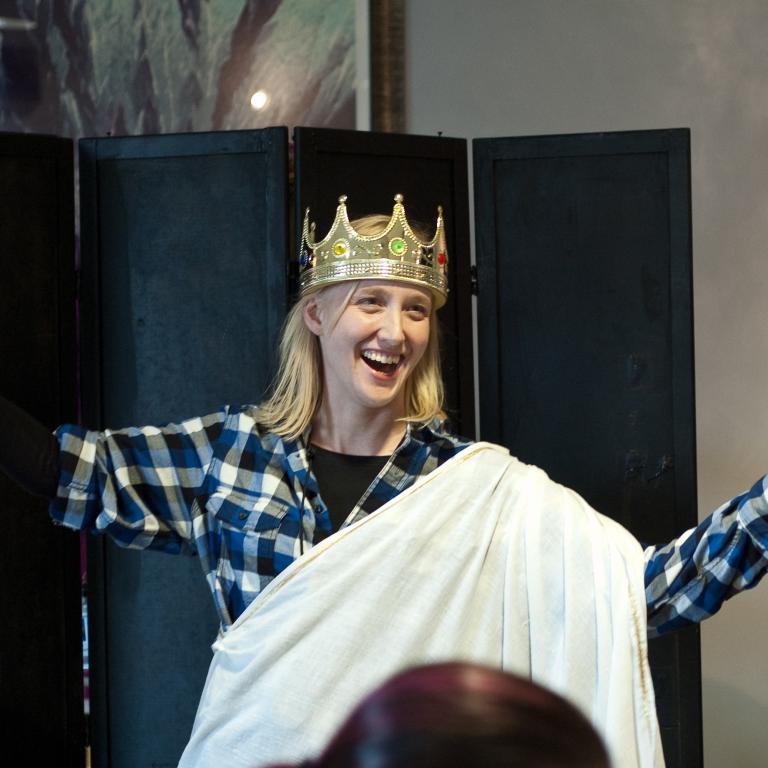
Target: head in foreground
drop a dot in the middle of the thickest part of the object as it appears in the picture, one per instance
(463, 715)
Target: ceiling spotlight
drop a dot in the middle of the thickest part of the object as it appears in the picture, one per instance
(259, 100)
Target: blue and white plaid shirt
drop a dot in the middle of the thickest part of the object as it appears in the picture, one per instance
(223, 489)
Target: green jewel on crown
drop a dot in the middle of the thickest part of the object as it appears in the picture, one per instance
(395, 253)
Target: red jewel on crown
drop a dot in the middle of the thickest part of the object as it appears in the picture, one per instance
(441, 258)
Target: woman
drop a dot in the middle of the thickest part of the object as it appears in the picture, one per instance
(355, 419)
(228, 486)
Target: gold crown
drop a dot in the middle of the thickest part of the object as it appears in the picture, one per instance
(395, 253)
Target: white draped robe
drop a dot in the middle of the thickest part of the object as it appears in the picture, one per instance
(484, 560)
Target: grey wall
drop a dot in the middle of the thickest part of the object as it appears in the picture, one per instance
(495, 68)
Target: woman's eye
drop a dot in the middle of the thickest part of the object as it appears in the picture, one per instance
(418, 310)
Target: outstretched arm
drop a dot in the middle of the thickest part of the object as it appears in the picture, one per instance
(690, 578)
(137, 484)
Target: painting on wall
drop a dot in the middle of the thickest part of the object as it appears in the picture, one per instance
(125, 67)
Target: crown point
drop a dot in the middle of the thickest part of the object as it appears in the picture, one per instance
(439, 210)
(342, 199)
(398, 198)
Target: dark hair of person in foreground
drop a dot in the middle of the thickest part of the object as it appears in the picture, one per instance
(463, 715)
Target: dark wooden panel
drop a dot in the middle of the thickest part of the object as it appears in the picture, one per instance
(184, 275)
(429, 171)
(586, 342)
(41, 650)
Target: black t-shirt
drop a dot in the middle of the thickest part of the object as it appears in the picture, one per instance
(343, 479)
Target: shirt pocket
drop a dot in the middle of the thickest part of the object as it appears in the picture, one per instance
(247, 512)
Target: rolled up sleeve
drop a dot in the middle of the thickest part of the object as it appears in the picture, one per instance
(137, 484)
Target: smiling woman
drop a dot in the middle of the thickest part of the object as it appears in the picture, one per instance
(277, 499)
(365, 296)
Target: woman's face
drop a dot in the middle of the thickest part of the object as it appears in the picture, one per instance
(373, 347)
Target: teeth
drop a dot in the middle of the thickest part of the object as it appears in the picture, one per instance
(379, 357)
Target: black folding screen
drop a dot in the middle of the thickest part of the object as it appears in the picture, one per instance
(585, 346)
(40, 655)
(184, 291)
(371, 168)
(586, 342)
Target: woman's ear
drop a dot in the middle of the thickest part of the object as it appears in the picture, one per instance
(313, 316)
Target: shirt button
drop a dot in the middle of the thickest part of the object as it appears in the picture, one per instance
(243, 515)
(318, 510)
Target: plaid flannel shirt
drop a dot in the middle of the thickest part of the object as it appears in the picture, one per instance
(223, 489)
(689, 579)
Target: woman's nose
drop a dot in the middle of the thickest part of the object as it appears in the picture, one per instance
(391, 329)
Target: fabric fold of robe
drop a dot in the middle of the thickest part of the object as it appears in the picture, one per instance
(484, 560)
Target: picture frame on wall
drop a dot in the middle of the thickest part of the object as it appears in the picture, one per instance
(154, 68)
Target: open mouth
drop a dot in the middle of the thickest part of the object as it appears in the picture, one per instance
(381, 362)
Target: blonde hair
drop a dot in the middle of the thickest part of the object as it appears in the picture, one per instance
(297, 390)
